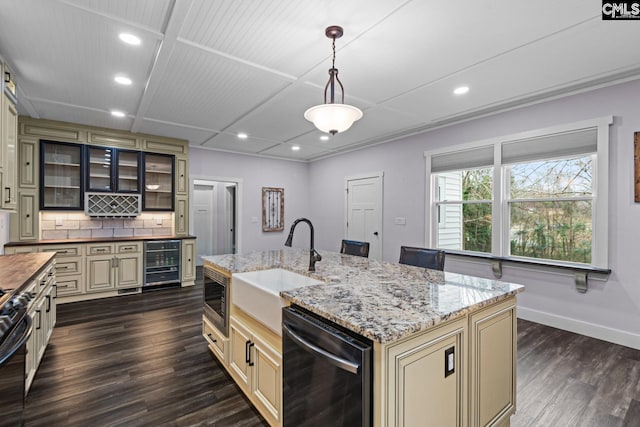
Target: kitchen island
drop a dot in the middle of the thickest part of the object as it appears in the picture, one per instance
(413, 316)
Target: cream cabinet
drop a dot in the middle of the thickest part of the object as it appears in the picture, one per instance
(113, 266)
(182, 216)
(188, 262)
(182, 173)
(425, 379)
(42, 310)
(218, 343)
(69, 268)
(256, 365)
(492, 346)
(9, 138)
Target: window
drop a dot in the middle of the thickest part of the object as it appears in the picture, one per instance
(532, 195)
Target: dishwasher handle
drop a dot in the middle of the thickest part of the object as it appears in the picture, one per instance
(339, 362)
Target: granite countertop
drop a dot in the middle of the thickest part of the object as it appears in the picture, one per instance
(97, 240)
(18, 270)
(382, 301)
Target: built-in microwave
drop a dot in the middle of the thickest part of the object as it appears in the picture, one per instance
(216, 299)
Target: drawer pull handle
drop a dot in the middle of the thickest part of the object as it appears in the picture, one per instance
(212, 338)
(63, 267)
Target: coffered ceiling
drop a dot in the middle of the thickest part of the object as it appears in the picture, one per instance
(208, 69)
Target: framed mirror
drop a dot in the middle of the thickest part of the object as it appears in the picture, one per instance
(272, 209)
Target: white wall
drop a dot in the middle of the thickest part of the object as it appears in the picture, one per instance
(610, 309)
(255, 173)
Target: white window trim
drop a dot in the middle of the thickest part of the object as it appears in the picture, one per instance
(500, 243)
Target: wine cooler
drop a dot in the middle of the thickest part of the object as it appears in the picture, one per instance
(161, 263)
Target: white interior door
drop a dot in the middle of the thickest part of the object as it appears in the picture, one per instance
(364, 212)
(203, 220)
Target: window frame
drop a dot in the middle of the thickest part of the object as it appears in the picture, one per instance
(500, 236)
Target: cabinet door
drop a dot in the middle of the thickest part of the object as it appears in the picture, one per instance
(99, 166)
(493, 356)
(129, 271)
(182, 216)
(27, 163)
(27, 218)
(266, 382)
(182, 186)
(128, 171)
(61, 185)
(10, 154)
(422, 391)
(100, 276)
(188, 261)
(239, 352)
(158, 182)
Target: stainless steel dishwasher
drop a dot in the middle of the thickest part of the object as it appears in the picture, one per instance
(327, 373)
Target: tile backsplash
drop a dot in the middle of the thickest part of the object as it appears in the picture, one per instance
(60, 225)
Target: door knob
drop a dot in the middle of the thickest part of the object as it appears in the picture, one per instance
(375, 233)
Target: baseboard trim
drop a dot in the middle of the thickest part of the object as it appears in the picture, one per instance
(616, 336)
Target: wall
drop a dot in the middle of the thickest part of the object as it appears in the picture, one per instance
(74, 225)
(610, 309)
(255, 173)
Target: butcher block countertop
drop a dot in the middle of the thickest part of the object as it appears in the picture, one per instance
(383, 301)
(20, 269)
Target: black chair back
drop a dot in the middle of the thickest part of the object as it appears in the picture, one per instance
(422, 257)
(353, 247)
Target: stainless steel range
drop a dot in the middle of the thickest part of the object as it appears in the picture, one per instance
(15, 329)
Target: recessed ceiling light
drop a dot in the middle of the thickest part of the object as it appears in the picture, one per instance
(324, 138)
(129, 39)
(461, 90)
(122, 80)
(117, 113)
(295, 147)
(243, 135)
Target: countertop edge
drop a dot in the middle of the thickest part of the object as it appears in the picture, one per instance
(96, 240)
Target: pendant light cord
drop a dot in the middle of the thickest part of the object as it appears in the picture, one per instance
(333, 44)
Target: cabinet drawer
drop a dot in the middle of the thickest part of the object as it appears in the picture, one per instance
(63, 251)
(20, 250)
(216, 341)
(66, 266)
(69, 285)
(126, 248)
(97, 249)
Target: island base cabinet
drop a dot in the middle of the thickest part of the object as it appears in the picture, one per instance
(216, 342)
(425, 379)
(257, 368)
(493, 364)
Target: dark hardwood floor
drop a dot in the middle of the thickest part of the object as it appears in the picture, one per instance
(137, 360)
(140, 360)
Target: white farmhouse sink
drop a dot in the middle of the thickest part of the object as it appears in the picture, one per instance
(258, 293)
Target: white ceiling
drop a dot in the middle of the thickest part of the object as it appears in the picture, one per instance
(208, 69)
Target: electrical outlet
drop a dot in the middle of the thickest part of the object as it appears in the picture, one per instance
(158, 221)
(58, 222)
(400, 220)
(449, 361)
(254, 219)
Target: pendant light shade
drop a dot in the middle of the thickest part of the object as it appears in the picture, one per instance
(332, 117)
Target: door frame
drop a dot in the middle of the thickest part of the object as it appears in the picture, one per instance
(210, 180)
(379, 175)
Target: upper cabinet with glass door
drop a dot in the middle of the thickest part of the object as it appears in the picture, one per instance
(112, 170)
(61, 177)
(128, 171)
(99, 169)
(158, 189)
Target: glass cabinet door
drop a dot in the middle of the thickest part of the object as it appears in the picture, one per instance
(61, 177)
(99, 176)
(127, 171)
(158, 182)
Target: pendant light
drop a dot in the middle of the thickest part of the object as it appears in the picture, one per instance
(333, 117)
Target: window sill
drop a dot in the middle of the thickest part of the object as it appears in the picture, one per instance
(580, 272)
